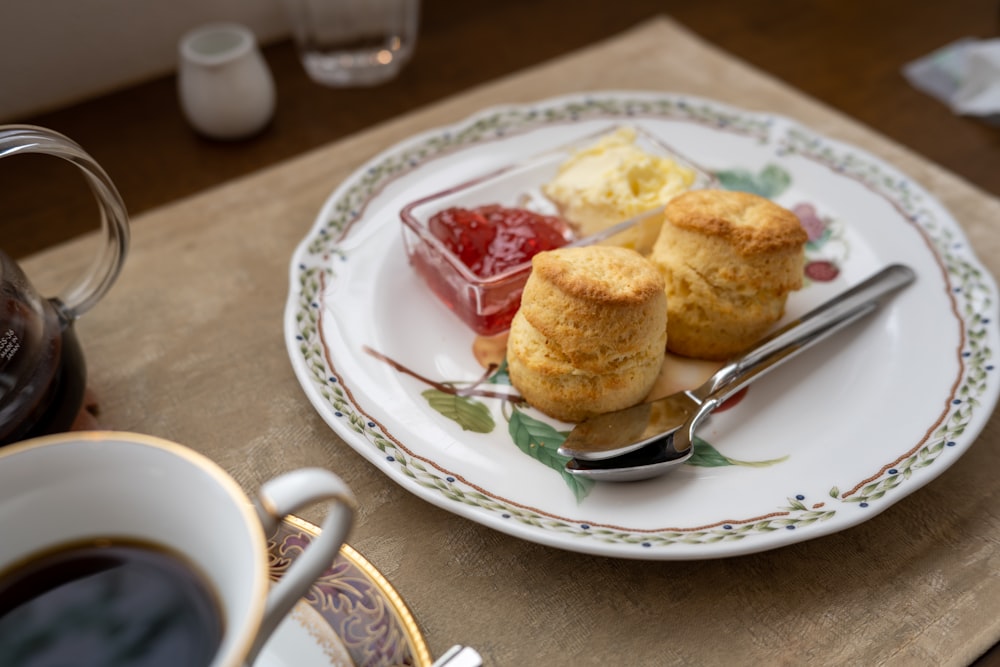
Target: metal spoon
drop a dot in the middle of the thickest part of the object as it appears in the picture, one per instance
(648, 439)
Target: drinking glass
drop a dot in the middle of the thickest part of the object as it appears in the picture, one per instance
(347, 43)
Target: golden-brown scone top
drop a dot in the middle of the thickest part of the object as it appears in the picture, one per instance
(752, 225)
(590, 334)
(594, 301)
(729, 260)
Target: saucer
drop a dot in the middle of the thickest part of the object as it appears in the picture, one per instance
(351, 617)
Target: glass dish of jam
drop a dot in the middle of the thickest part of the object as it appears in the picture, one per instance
(472, 244)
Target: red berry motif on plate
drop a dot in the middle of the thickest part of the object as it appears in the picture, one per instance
(821, 235)
(821, 271)
(811, 222)
(732, 401)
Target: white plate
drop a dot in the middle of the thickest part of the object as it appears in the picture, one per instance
(838, 435)
(351, 616)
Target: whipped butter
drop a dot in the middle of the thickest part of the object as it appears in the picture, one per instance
(613, 180)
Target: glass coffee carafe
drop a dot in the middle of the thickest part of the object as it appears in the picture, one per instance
(42, 371)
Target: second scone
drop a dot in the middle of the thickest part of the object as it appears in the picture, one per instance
(590, 335)
(729, 260)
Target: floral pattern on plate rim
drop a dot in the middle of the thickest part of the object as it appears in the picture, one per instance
(362, 608)
(970, 293)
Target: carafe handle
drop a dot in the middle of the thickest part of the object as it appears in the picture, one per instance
(80, 296)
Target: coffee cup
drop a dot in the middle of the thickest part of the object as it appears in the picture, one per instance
(119, 544)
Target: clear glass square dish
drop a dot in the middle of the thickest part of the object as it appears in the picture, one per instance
(488, 303)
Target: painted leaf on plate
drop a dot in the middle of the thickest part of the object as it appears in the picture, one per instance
(769, 182)
(541, 442)
(470, 414)
(707, 456)
(500, 375)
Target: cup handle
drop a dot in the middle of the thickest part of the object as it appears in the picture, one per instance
(284, 495)
(79, 297)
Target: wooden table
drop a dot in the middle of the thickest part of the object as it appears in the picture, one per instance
(844, 54)
(847, 54)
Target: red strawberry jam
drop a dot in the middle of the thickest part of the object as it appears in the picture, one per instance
(491, 239)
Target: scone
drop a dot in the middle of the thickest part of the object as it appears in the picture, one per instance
(590, 335)
(728, 260)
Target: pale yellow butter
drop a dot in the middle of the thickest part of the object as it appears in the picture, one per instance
(613, 180)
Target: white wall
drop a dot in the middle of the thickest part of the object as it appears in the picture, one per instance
(55, 52)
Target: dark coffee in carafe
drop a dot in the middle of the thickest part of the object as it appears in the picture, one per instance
(42, 373)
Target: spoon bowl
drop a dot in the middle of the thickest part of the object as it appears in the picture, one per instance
(651, 460)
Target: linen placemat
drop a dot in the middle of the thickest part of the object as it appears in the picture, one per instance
(189, 346)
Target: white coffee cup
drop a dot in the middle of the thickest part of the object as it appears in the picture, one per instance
(74, 487)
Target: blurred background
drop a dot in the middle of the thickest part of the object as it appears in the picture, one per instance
(55, 53)
(103, 73)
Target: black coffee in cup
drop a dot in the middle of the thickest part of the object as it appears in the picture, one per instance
(108, 602)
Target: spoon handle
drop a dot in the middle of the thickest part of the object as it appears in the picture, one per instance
(803, 332)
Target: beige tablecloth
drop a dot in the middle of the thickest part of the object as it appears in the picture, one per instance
(189, 346)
